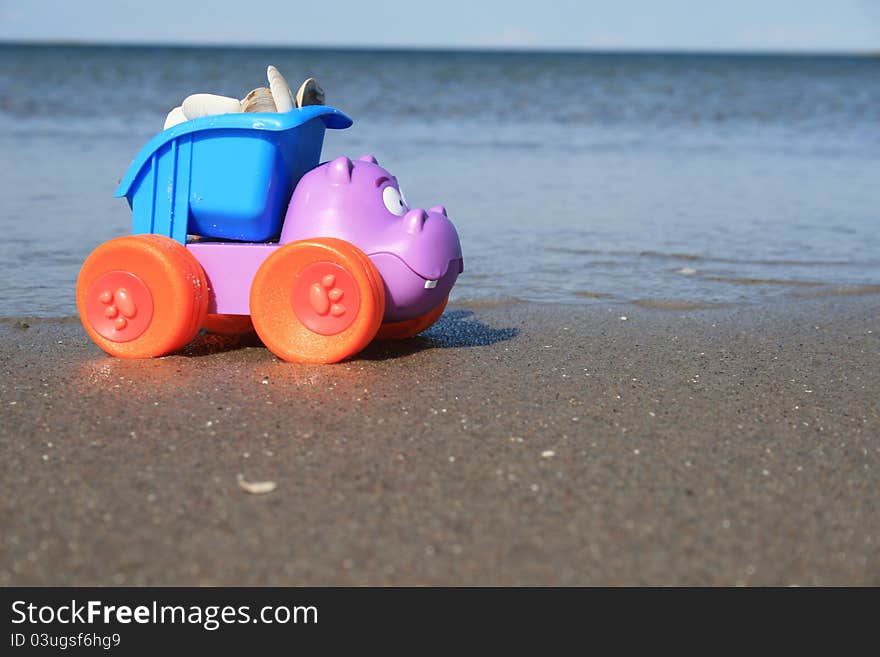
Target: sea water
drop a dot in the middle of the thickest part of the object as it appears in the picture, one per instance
(681, 181)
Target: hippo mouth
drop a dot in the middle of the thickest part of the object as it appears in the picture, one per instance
(431, 283)
(408, 293)
(439, 271)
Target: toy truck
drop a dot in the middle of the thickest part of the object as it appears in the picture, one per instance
(237, 227)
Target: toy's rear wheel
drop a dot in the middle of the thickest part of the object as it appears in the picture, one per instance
(411, 327)
(141, 296)
(231, 325)
(317, 301)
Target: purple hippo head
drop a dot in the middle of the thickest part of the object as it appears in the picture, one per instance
(416, 251)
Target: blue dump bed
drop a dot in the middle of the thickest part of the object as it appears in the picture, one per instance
(228, 176)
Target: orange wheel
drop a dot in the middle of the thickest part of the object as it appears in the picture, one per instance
(411, 327)
(228, 324)
(141, 296)
(317, 301)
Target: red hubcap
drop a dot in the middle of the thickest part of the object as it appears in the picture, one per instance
(325, 298)
(119, 306)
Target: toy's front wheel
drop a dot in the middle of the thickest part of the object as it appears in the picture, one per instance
(141, 296)
(317, 301)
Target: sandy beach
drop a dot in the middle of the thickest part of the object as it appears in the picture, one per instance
(512, 444)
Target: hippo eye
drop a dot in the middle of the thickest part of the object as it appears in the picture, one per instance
(393, 201)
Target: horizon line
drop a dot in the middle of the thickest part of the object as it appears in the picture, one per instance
(489, 49)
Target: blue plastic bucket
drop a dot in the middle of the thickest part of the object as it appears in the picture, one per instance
(228, 176)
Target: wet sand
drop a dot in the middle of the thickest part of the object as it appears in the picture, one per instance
(513, 444)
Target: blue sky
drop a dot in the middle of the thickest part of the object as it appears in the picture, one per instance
(729, 25)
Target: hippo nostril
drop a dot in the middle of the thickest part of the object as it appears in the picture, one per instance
(414, 220)
(438, 208)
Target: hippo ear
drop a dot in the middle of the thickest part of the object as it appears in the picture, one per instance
(368, 158)
(339, 170)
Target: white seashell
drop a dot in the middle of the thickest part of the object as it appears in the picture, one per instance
(310, 93)
(280, 90)
(174, 117)
(258, 100)
(256, 487)
(208, 105)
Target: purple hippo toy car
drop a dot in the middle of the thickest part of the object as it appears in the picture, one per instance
(349, 261)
